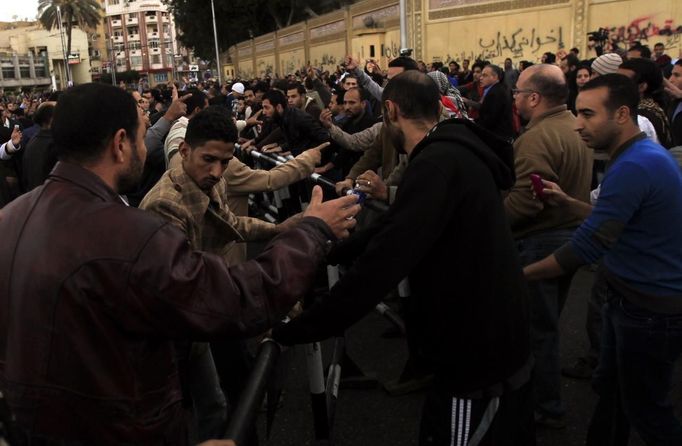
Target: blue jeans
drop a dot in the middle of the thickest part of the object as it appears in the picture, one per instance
(638, 353)
(547, 299)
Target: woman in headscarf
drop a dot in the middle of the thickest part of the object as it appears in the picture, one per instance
(450, 97)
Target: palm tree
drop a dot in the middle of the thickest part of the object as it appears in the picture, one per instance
(84, 13)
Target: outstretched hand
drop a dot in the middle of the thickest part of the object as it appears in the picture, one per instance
(338, 214)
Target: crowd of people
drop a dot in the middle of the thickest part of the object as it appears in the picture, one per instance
(128, 300)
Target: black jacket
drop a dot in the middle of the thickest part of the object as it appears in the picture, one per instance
(448, 233)
(675, 124)
(38, 160)
(495, 113)
(301, 131)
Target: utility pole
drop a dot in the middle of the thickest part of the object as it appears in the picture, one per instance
(217, 53)
(67, 69)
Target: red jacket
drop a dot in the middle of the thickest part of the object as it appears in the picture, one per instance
(92, 293)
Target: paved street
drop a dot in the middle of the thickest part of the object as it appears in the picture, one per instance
(371, 417)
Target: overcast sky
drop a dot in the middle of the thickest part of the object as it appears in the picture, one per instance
(20, 8)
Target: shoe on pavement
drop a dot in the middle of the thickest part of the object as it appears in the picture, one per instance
(542, 420)
(581, 369)
(415, 384)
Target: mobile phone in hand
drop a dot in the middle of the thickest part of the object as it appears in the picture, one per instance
(538, 186)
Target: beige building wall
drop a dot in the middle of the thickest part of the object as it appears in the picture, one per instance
(445, 30)
(35, 39)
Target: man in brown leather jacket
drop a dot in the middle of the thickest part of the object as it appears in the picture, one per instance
(92, 292)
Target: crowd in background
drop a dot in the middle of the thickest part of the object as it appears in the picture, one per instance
(355, 128)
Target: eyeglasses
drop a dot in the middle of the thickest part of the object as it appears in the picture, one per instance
(516, 91)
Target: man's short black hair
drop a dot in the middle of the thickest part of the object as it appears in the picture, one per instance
(340, 95)
(198, 99)
(88, 116)
(276, 97)
(407, 63)
(622, 91)
(499, 72)
(211, 124)
(550, 57)
(43, 115)
(281, 84)
(678, 63)
(647, 71)
(404, 88)
(555, 93)
(478, 64)
(644, 50)
(572, 60)
(261, 87)
(298, 87)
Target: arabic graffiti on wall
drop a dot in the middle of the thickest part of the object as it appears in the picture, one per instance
(519, 44)
(644, 29)
(522, 43)
(326, 60)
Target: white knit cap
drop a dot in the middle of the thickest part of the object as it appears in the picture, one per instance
(607, 63)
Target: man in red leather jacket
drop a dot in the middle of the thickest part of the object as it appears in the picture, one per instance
(93, 292)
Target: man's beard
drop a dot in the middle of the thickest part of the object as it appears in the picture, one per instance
(396, 137)
(129, 180)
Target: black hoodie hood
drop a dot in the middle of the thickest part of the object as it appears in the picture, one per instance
(495, 152)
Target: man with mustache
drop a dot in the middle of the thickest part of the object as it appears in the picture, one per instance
(634, 227)
(93, 292)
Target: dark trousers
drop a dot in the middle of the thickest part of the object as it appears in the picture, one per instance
(547, 299)
(448, 420)
(593, 322)
(638, 353)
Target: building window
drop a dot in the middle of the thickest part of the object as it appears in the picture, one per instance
(24, 72)
(113, 2)
(8, 72)
(153, 43)
(135, 60)
(161, 77)
(134, 45)
(156, 58)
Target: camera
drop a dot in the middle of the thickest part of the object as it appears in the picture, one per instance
(406, 52)
(600, 38)
(601, 35)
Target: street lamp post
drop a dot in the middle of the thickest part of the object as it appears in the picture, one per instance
(403, 24)
(217, 54)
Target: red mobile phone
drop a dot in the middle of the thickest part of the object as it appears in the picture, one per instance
(538, 186)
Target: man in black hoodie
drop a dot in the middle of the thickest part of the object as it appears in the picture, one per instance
(447, 232)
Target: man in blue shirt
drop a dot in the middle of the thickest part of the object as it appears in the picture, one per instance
(635, 227)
